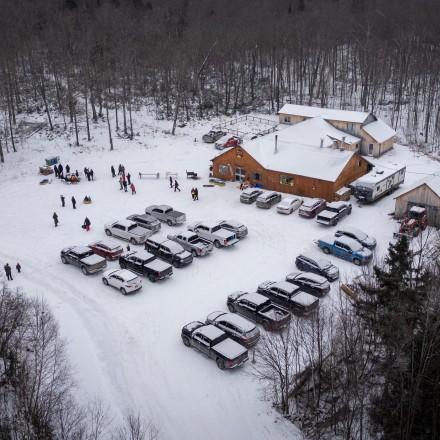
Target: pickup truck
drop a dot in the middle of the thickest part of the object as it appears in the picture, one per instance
(145, 264)
(259, 309)
(167, 214)
(191, 242)
(127, 230)
(84, 258)
(214, 233)
(334, 212)
(346, 248)
(169, 251)
(215, 344)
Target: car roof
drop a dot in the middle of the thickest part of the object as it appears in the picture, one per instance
(337, 204)
(80, 249)
(125, 222)
(142, 254)
(109, 243)
(311, 275)
(164, 207)
(266, 194)
(255, 298)
(351, 230)
(142, 216)
(288, 287)
(123, 273)
(185, 233)
(250, 191)
(348, 241)
(237, 320)
(234, 223)
(210, 331)
(322, 262)
(310, 202)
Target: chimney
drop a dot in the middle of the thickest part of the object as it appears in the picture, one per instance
(322, 143)
(342, 144)
(335, 144)
(276, 144)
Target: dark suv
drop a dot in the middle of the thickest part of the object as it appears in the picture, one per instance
(315, 264)
(311, 207)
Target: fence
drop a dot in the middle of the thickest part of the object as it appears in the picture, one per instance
(226, 126)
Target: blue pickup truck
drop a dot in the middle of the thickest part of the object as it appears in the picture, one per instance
(346, 248)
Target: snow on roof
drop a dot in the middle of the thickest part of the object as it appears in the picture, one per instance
(326, 113)
(379, 130)
(142, 254)
(125, 223)
(288, 287)
(432, 181)
(81, 249)
(299, 150)
(210, 331)
(255, 298)
(237, 320)
(109, 243)
(250, 191)
(377, 174)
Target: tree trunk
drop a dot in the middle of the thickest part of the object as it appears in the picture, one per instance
(76, 126)
(87, 116)
(109, 129)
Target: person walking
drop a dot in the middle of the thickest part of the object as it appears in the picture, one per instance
(91, 173)
(63, 201)
(60, 170)
(18, 267)
(8, 271)
(76, 174)
(193, 194)
(67, 169)
(120, 169)
(128, 178)
(128, 248)
(196, 194)
(121, 183)
(55, 219)
(133, 189)
(171, 182)
(87, 224)
(124, 182)
(176, 186)
(112, 169)
(123, 169)
(55, 170)
(73, 202)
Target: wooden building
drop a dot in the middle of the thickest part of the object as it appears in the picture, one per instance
(313, 164)
(376, 136)
(424, 193)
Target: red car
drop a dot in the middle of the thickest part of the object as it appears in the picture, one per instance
(311, 207)
(107, 249)
(232, 142)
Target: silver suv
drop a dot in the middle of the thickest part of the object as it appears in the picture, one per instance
(268, 199)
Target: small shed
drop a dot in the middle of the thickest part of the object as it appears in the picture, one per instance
(52, 160)
(424, 193)
(343, 194)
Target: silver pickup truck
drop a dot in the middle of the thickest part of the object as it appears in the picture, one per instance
(214, 233)
(191, 242)
(167, 214)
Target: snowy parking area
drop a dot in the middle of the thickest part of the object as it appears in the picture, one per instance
(127, 349)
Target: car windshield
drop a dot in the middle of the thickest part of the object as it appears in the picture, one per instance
(131, 227)
(86, 254)
(286, 203)
(215, 229)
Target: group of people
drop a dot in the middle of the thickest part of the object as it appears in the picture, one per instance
(195, 193)
(88, 172)
(174, 185)
(124, 179)
(73, 200)
(8, 270)
(59, 171)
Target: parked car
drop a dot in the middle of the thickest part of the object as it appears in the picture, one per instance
(108, 249)
(358, 235)
(311, 207)
(213, 136)
(169, 251)
(268, 199)
(346, 248)
(309, 282)
(214, 233)
(146, 264)
(241, 330)
(191, 242)
(84, 258)
(146, 221)
(238, 228)
(259, 309)
(167, 214)
(127, 230)
(289, 296)
(333, 213)
(289, 204)
(315, 264)
(227, 142)
(249, 195)
(124, 280)
(215, 344)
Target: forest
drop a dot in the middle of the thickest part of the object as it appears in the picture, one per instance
(80, 59)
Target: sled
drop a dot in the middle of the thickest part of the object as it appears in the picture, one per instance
(45, 181)
(218, 182)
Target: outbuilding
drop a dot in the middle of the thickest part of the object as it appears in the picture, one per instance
(311, 160)
(424, 193)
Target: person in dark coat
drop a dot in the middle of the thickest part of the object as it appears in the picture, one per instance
(121, 182)
(67, 169)
(18, 267)
(133, 189)
(87, 224)
(128, 179)
(8, 271)
(91, 173)
(112, 169)
(73, 202)
(120, 169)
(196, 194)
(128, 248)
(63, 201)
(176, 186)
(55, 170)
(124, 182)
(171, 182)
(123, 169)
(55, 219)
(60, 170)
(76, 173)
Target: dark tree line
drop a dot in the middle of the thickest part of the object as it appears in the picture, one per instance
(82, 58)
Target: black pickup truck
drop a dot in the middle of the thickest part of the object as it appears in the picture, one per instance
(169, 251)
(259, 309)
(145, 264)
(84, 258)
(215, 344)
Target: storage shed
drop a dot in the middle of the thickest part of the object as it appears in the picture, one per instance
(424, 193)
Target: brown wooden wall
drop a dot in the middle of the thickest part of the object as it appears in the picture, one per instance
(303, 186)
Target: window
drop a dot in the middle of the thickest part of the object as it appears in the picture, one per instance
(286, 180)
(240, 174)
(223, 169)
(350, 128)
(257, 177)
(359, 163)
(370, 149)
(286, 119)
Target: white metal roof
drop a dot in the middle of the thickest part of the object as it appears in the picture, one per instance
(326, 113)
(379, 130)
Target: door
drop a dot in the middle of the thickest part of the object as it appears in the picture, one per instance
(240, 174)
(370, 149)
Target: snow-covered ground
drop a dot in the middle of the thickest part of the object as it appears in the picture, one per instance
(128, 350)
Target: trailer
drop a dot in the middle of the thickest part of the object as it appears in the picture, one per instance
(378, 183)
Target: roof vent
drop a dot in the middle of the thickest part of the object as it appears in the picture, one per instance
(276, 144)
(322, 142)
(379, 172)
